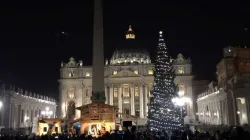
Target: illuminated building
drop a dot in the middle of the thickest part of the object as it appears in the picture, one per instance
(227, 102)
(21, 107)
(128, 78)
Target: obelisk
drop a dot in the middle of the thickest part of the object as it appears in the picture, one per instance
(98, 93)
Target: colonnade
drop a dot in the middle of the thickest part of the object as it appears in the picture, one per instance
(23, 114)
(221, 111)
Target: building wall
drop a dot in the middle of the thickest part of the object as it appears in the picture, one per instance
(126, 86)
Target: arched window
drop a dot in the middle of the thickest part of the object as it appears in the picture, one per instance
(126, 91)
(71, 92)
(71, 110)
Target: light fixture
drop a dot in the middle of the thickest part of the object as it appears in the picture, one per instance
(181, 93)
(238, 112)
(47, 112)
(1, 104)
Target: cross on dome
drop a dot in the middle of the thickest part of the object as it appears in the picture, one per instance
(130, 28)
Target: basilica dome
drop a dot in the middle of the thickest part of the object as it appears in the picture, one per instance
(121, 57)
(127, 54)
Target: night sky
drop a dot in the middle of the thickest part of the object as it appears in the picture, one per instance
(32, 46)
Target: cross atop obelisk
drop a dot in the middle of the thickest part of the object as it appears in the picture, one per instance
(98, 93)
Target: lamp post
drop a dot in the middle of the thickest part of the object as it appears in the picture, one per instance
(1, 104)
(180, 102)
(47, 112)
(1, 116)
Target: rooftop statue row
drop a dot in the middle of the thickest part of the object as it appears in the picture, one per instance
(72, 63)
(212, 90)
(19, 91)
(124, 57)
(181, 60)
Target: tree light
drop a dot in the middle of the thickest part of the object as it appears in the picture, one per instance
(163, 114)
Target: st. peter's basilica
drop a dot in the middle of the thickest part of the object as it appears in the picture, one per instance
(129, 77)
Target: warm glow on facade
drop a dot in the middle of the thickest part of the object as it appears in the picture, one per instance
(130, 36)
(87, 74)
(136, 72)
(150, 72)
(180, 69)
(136, 91)
(114, 72)
(115, 92)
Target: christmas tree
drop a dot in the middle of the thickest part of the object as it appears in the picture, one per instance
(163, 114)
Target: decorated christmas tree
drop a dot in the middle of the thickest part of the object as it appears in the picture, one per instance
(163, 114)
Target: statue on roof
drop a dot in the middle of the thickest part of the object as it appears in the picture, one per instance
(80, 63)
(62, 64)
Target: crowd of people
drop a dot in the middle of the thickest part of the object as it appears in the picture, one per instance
(234, 133)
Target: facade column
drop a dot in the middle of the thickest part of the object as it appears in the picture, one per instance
(243, 112)
(226, 112)
(120, 98)
(111, 95)
(146, 101)
(220, 113)
(83, 95)
(132, 104)
(247, 106)
(106, 94)
(141, 102)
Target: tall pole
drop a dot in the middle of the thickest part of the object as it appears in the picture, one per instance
(98, 95)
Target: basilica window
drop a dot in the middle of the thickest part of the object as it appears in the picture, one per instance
(137, 113)
(126, 92)
(180, 70)
(114, 72)
(150, 72)
(130, 36)
(181, 90)
(126, 101)
(71, 73)
(136, 71)
(126, 111)
(115, 92)
(71, 93)
(87, 74)
(136, 91)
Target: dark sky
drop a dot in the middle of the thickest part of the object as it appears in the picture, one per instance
(32, 48)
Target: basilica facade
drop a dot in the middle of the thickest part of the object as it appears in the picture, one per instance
(128, 77)
(128, 83)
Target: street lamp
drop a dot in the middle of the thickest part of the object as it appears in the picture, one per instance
(178, 101)
(47, 112)
(1, 104)
(181, 102)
